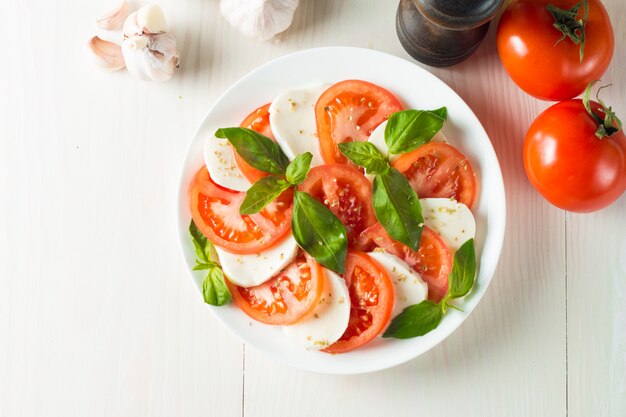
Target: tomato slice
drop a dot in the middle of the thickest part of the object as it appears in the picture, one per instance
(371, 298)
(285, 299)
(259, 121)
(439, 170)
(346, 192)
(349, 111)
(215, 210)
(432, 260)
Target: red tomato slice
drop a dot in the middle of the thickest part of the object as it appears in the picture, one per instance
(432, 260)
(346, 192)
(349, 111)
(285, 299)
(439, 170)
(371, 297)
(259, 121)
(215, 210)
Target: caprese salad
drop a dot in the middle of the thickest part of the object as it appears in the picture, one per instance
(337, 214)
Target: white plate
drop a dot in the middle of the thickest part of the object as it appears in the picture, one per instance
(415, 88)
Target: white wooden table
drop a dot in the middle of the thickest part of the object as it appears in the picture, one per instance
(98, 316)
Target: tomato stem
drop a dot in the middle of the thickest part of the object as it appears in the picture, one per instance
(611, 123)
(570, 25)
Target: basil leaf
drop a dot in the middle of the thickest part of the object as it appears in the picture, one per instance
(214, 289)
(441, 112)
(415, 320)
(299, 168)
(201, 244)
(257, 150)
(262, 192)
(319, 232)
(463, 270)
(201, 266)
(397, 207)
(409, 129)
(365, 154)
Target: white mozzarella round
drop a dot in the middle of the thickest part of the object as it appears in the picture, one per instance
(221, 164)
(328, 321)
(451, 220)
(377, 138)
(255, 269)
(408, 286)
(292, 117)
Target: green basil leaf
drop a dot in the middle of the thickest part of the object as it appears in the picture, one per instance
(409, 129)
(415, 320)
(214, 289)
(365, 154)
(262, 192)
(299, 168)
(319, 232)
(441, 112)
(397, 208)
(257, 150)
(201, 244)
(463, 272)
(201, 267)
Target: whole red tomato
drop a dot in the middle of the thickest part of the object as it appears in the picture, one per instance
(568, 164)
(542, 64)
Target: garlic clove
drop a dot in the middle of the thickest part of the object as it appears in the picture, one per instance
(259, 19)
(147, 20)
(115, 18)
(105, 54)
(151, 57)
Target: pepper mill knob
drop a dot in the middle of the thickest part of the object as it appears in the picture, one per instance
(443, 32)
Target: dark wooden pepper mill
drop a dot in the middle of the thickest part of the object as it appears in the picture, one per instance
(443, 32)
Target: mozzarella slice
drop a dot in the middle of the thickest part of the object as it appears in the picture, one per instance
(328, 321)
(255, 269)
(408, 286)
(292, 117)
(221, 164)
(452, 221)
(377, 138)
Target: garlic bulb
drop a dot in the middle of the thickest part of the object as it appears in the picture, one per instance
(150, 53)
(147, 20)
(105, 54)
(260, 19)
(151, 57)
(115, 18)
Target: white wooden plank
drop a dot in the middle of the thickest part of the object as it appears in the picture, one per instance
(596, 280)
(509, 357)
(596, 313)
(98, 315)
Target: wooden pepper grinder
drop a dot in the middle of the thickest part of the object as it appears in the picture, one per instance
(443, 32)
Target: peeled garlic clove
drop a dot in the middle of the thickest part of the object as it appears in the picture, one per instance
(106, 55)
(115, 18)
(151, 57)
(147, 20)
(259, 19)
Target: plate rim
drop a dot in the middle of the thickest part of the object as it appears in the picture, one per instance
(497, 227)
